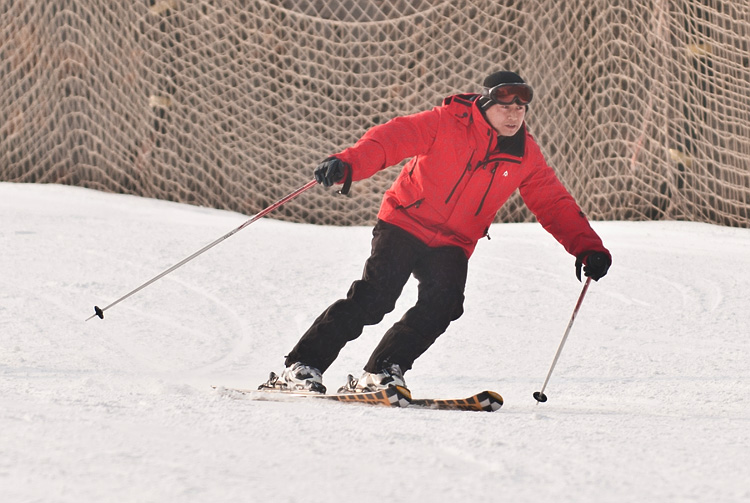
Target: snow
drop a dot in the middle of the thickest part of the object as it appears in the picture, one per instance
(649, 400)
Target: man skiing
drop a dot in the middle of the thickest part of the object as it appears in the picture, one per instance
(467, 157)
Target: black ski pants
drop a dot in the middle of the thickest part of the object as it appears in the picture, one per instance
(395, 256)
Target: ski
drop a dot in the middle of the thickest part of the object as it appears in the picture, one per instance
(395, 396)
(487, 401)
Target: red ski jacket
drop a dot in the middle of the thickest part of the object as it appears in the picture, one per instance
(459, 176)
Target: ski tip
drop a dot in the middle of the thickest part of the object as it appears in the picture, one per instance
(404, 391)
(490, 401)
(496, 396)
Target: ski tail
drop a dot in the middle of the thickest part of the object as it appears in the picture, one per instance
(395, 396)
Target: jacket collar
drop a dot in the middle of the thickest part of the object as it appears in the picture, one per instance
(462, 107)
(465, 108)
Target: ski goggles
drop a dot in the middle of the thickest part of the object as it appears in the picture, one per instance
(508, 94)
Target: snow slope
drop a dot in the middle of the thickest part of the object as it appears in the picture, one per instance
(650, 400)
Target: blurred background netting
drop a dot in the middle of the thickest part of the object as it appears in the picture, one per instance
(642, 107)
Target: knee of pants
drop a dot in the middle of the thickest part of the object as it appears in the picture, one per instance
(452, 310)
(433, 318)
(373, 303)
(458, 309)
(447, 305)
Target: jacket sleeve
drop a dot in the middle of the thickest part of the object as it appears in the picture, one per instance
(390, 143)
(556, 210)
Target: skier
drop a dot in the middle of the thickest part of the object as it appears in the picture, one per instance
(468, 156)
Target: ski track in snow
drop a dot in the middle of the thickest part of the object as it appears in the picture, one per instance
(650, 399)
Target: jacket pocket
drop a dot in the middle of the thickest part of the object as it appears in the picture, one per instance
(415, 204)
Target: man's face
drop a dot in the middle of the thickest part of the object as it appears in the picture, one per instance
(506, 119)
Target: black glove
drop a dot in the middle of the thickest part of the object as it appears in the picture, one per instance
(331, 171)
(595, 264)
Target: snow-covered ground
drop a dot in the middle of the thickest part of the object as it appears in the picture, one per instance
(650, 401)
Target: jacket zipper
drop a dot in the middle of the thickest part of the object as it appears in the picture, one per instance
(468, 165)
(466, 170)
(492, 179)
(489, 186)
(485, 162)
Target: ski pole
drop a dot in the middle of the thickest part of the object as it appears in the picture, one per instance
(539, 396)
(98, 311)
